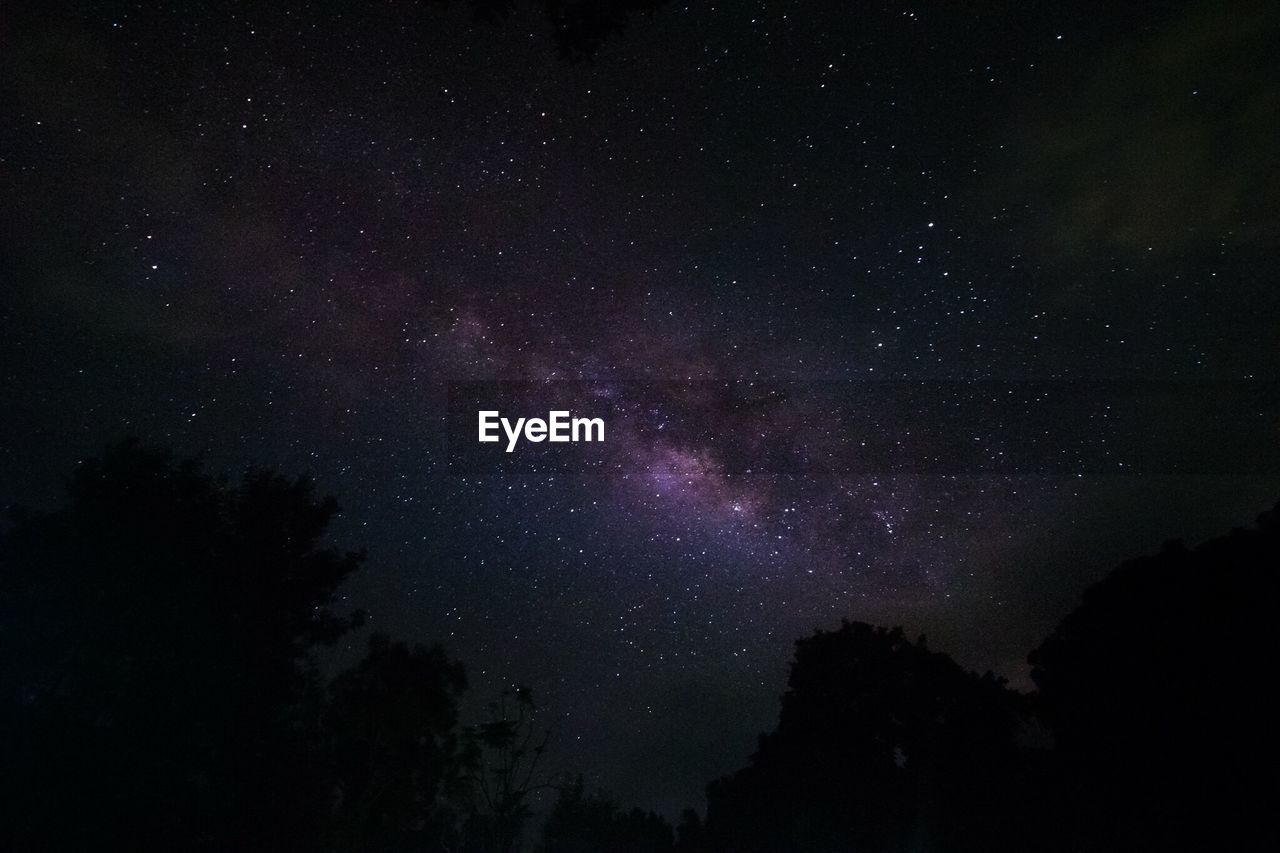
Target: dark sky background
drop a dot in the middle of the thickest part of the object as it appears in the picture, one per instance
(274, 233)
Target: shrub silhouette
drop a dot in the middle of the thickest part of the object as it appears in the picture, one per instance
(588, 823)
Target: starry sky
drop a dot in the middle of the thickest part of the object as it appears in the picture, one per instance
(898, 312)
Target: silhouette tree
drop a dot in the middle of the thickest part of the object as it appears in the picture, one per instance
(589, 823)
(504, 757)
(1155, 689)
(881, 744)
(391, 730)
(691, 835)
(156, 690)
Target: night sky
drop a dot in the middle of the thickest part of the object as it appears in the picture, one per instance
(902, 313)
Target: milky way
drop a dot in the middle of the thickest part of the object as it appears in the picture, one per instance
(806, 260)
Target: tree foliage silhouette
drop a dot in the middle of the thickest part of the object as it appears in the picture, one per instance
(394, 750)
(881, 744)
(504, 760)
(1156, 690)
(156, 689)
(587, 823)
(1154, 720)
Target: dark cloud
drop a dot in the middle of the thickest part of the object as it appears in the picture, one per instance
(1163, 145)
